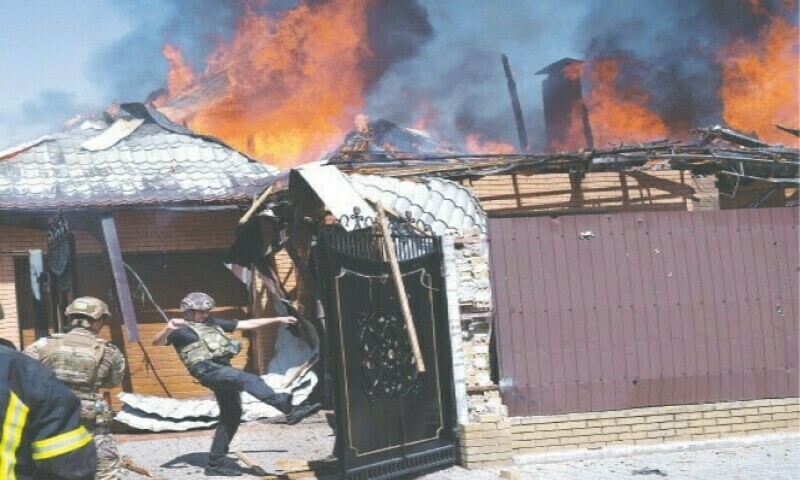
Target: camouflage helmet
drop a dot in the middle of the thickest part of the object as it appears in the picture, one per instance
(84, 307)
(197, 301)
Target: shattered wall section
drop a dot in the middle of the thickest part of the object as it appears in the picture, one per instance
(484, 428)
(475, 315)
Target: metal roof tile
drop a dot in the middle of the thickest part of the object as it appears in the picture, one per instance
(151, 165)
(444, 205)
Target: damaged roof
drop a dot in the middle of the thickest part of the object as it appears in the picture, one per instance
(382, 141)
(719, 150)
(443, 205)
(138, 158)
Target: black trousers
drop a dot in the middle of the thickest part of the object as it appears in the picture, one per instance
(228, 383)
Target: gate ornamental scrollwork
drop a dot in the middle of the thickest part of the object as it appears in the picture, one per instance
(387, 361)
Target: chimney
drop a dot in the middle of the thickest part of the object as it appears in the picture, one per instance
(565, 115)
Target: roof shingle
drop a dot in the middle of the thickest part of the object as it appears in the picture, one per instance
(156, 163)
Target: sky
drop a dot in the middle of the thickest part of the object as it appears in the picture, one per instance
(47, 47)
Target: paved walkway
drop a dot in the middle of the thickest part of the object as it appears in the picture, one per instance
(183, 456)
(777, 459)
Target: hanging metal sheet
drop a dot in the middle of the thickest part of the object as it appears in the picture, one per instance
(335, 191)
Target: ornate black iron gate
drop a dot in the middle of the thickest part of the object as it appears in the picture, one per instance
(391, 420)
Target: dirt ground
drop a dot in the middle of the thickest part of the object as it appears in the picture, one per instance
(184, 455)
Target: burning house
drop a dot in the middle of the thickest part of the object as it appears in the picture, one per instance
(444, 292)
(107, 204)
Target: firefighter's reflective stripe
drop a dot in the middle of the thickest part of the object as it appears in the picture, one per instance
(60, 444)
(13, 425)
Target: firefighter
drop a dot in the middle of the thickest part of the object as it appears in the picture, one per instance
(86, 363)
(203, 345)
(41, 434)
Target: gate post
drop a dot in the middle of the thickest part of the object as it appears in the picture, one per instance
(484, 431)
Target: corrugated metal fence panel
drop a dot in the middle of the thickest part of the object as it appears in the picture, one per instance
(604, 312)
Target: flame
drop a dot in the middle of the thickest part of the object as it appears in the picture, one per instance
(426, 116)
(619, 113)
(180, 76)
(756, 6)
(572, 71)
(282, 89)
(573, 138)
(760, 81)
(475, 144)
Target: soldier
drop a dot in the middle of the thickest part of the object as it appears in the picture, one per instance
(203, 346)
(41, 434)
(85, 364)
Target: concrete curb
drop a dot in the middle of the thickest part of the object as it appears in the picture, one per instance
(670, 447)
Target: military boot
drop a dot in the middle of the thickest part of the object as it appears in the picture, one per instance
(299, 412)
(220, 471)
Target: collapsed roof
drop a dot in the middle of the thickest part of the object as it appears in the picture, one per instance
(137, 157)
(382, 141)
(718, 150)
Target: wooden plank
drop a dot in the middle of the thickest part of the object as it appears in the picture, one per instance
(401, 289)
(114, 254)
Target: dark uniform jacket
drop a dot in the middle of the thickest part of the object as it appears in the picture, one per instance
(41, 436)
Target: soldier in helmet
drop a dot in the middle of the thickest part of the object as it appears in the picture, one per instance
(86, 363)
(203, 345)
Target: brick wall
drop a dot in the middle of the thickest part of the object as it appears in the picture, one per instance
(484, 427)
(494, 439)
(486, 442)
(642, 426)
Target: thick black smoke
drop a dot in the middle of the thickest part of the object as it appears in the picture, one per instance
(671, 49)
(396, 31)
(438, 65)
(134, 66)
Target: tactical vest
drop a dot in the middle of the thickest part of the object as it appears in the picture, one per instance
(212, 344)
(75, 359)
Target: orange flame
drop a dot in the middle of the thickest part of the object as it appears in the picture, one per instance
(574, 138)
(476, 145)
(572, 71)
(619, 114)
(427, 115)
(760, 81)
(180, 76)
(280, 90)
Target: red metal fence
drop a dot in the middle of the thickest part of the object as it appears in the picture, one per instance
(605, 312)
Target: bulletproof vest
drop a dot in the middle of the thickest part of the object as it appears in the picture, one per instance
(212, 344)
(75, 359)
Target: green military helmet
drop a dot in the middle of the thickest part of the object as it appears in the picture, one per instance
(197, 301)
(84, 307)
